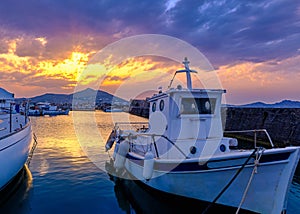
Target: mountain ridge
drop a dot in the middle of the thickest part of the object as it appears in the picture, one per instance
(103, 96)
(280, 104)
(68, 98)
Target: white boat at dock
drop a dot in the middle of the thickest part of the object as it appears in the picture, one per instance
(15, 139)
(183, 151)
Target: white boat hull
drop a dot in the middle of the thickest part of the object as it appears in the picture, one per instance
(267, 192)
(14, 150)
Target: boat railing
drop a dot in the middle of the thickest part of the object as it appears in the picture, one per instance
(255, 131)
(153, 141)
(151, 138)
(134, 126)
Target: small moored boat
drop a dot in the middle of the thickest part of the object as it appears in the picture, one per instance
(112, 109)
(184, 152)
(56, 112)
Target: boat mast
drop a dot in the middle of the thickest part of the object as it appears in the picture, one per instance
(188, 73)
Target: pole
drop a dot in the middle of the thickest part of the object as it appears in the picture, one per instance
(10, 117)
(25, 112)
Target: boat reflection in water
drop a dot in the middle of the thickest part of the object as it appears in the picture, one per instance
(134, 197)
(15, 198)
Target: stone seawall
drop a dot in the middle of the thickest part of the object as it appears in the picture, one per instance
(283, 124)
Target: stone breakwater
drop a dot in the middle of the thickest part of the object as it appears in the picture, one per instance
(283, 124)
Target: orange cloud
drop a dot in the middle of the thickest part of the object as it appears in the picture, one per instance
(132, 73)
(22, 66)
(138, 75)
(264, 81)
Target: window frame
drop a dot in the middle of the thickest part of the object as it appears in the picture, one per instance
(161, 105)
(200, 106)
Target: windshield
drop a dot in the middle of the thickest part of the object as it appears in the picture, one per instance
(198, 105)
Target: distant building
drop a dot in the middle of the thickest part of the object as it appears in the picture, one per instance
(139, 107)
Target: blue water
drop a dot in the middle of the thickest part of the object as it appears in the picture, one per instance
(63, 179)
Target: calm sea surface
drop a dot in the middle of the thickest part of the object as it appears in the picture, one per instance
(65, 174)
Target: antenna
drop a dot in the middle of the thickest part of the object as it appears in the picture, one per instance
(188, 73)
(186, 63)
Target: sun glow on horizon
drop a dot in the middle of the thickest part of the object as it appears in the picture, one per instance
(31, 76)
(31, 71)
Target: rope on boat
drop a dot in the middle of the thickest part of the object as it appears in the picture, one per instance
(230, 182)
(254, 171)
(174, 145)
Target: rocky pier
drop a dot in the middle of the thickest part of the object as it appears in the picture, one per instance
(283, 124)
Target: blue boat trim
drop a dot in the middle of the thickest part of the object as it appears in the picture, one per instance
(195, 166)
(276, 157)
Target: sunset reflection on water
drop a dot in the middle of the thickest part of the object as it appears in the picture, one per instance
(65, 179)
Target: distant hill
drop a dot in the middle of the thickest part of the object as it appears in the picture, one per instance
(281, 104)
(52, 98)
(88, 94)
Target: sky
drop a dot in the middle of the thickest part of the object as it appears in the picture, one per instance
(253, 45)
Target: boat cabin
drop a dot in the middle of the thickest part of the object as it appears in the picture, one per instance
(187, 115)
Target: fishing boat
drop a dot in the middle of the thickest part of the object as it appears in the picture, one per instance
(183, 151)
(56, 112)
(35, 112)
(15, 138)
(42, 108)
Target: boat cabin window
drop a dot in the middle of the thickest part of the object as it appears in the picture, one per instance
(198, 105)
(161, 105)
(153, 107)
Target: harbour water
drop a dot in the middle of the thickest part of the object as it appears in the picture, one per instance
(61, 177)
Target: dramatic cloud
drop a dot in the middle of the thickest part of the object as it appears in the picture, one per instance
(237, 29)
(228, 29)
(32, 47)
(267, 81)
(3, 46)
(244, 30)
(52, 40)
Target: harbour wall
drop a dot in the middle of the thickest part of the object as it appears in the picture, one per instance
(283, 124)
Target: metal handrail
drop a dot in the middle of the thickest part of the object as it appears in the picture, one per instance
(162, 136)
(152, 135)
(128, 123)
(255, 134)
